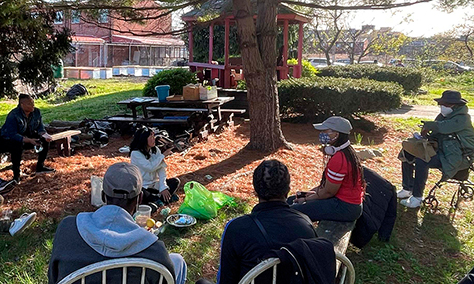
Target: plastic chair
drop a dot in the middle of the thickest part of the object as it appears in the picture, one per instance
(346, 275)
(123, 263)
(465, 189)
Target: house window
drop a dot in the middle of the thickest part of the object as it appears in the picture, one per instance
(75, 17)
(59, 17)
(103, 16)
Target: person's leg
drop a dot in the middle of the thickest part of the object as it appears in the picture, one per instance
(42, 157)
(407, 176)
(331, 209)
(16, 151)
(204, 281)
(5, 226)
(173, 184)
(180, 268)
(421, 174)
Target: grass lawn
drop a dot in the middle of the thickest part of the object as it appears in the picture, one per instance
(463, 83)
(425, 247)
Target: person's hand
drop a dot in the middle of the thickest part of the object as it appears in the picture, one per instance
(35, 142)
(424, 132)
(166, 195)
(168, 152)
(300, 200)
(47, 137)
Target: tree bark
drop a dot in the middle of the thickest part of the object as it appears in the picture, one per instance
(258, 50)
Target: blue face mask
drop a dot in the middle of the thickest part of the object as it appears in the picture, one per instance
(324, 138)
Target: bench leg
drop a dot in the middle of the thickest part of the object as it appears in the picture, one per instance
(67, 146)
(59, 147)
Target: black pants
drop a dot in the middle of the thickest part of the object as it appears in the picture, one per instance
(469, 278)
(16, 150)
(152, 195)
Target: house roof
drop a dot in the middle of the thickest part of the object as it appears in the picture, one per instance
(167, 41)
(214, 9)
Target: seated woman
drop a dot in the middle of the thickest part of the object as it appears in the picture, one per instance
(341, 191)
(452, 130)
(157, 190)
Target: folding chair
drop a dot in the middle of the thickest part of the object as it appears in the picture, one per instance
(123, 263)
(465, 189)
(346, 276)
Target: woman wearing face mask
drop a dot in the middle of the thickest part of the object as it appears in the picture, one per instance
(341, 191)
(453, 131)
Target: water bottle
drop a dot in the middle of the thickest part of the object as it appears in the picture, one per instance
(38, 148)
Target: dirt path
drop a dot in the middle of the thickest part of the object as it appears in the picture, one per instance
(407, 111)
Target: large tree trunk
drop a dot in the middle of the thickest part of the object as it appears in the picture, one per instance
(258, 49)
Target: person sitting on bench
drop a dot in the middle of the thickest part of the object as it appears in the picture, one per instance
(341, 191)
(157, 189)
(24, 129)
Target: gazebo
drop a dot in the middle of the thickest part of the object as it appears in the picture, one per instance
(223, 11)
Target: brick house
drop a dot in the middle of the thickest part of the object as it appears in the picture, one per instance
(108, 41)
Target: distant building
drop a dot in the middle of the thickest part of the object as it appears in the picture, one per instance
(108, 41)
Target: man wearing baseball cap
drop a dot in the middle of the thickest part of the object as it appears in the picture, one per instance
(110, 232)
(452, 130)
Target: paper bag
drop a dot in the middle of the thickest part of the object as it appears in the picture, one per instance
(420, 148)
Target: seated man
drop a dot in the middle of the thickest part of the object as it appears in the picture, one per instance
(452, 130)
(110, 232)
(24, 129)
(243, 245)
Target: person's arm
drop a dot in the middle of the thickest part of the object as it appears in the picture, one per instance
(229, 266)
(448, 126)
(327, 191)
(147, 165)
(41, 130)
(10, 129)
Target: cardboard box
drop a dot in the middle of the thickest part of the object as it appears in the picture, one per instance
(175, 98)
(191, 92)
(207, 92)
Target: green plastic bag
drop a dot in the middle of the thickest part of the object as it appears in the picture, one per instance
(202, 203)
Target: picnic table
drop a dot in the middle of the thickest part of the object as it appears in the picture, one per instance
(177, 105)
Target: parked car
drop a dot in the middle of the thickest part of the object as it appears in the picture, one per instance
(342, 62)
(318, 62)
(372, 62)
(445, 65)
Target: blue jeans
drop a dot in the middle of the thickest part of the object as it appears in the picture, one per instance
(180, 268)
(416, 184)
(332, 209)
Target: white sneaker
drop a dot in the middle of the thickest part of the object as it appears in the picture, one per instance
(412, 202)
(403, 193)
(20, 224)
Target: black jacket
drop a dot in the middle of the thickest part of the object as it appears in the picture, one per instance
(315, 258)
(380, 210)
(243, 245)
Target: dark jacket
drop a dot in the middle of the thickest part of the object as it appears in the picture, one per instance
(380, 210)
(243, 245)
(109, 232)
(18, 125)
(446, 131)
(315, 257)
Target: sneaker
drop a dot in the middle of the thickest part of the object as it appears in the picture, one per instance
(412, 202)
(44, 170)
(403, 193)
(7, 186)
(20, 224)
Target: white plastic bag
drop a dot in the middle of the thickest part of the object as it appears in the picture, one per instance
(96, 191)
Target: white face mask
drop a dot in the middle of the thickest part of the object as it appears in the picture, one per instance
(445, 110)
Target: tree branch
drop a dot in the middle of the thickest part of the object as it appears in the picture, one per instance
(356, 7)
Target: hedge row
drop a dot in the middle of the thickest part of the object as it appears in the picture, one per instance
(323, 97)
(410, 78)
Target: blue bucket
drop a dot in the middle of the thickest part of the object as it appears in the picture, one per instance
(163, 91)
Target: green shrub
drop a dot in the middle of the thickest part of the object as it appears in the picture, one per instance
(176, 78)
(241, 85)
(308, 69)
(323, 97)
(411, 79)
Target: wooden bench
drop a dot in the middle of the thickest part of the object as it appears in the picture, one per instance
(339, 233)
(145, 120)
(228, 115)
(63, 141)
(172, 109)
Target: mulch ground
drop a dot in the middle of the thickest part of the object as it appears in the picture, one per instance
(220, 163)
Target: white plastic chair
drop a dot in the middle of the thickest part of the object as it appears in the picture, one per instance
(347, 274)
(123, 263)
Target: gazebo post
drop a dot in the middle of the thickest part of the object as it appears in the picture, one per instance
(191, 42)
(226, 83)
(284, 73)
(211, 42)
(300, 52)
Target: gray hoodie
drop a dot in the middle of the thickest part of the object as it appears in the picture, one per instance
(109, 232)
